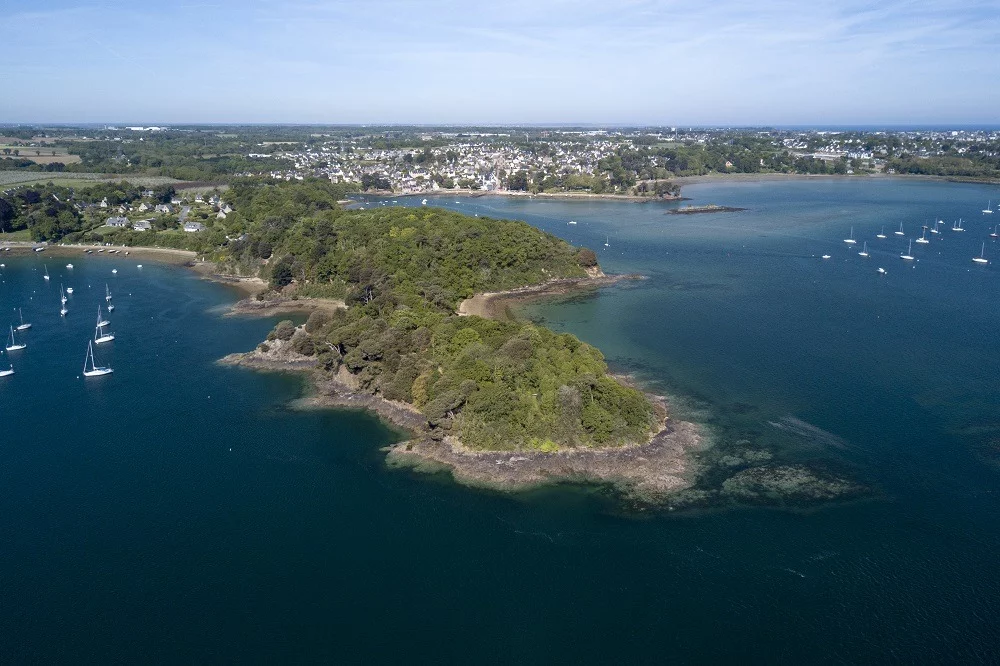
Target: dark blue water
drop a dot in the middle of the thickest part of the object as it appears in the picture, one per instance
(142, 519)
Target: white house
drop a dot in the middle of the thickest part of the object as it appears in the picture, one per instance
(117, 222)
(192, 227)
(142, 225)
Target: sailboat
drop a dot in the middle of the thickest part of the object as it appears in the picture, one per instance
(864, 251)
(881, 235)
(14, 345)
(981, 259)
(958, 225)
(900, 232)
(46, 276)
(994, 234)
(63, 311)
(989, 208)
(23, 326)
(923, 239)
(101, 322)
(107, 292)
(850, 240)
(62, 295)
(95, 370)
(607, 241)
(7, 373)
(100, 337)
(909, 253)
(934, 229)
(881, 271)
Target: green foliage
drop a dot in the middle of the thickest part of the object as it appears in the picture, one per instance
(284, 330)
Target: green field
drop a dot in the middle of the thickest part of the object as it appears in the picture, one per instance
(10, 178)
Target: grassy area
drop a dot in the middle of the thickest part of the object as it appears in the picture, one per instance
(22, 235)
(10, 178)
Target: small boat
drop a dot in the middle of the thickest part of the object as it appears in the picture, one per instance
(424, 202)
(923, 239)
(934, 229)
(69, 290)
(607, 241)
(958, 225)
(573, 222)
(63, 311)
(881, 235)
(111, 307)
(14, 344)
(850, 240)
(95, 370)
(909, 253)
(23, 326)
(62, 295)
(989, 208)
(864, 250)
(826, 256)
(881, 271)
(900, 232)
(7, 373)
(101, 321)
(981, 259)
(37, 249)
(46, 276)
(994, 234)
(100, 337)
(139, 266)
(69, 266)
(114, 271)
(107, 292)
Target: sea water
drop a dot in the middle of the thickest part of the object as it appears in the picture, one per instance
(182, 510)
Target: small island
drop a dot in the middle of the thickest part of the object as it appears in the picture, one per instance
(394, 328)
(708, 208)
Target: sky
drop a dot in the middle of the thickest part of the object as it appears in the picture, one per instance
(640, 62)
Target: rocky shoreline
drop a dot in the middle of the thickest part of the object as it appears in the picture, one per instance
(661, 466)
(494, 304)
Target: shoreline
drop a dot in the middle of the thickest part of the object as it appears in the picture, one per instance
(495, 304)
(475, 194)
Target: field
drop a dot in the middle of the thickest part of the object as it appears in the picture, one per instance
(10, 178)
(39, 154)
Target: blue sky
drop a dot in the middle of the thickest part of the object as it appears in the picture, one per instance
(674, 62)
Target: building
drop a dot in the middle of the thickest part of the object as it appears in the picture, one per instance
(192, 227)
(117, 222)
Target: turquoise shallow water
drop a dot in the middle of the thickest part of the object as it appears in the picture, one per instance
(180, 510)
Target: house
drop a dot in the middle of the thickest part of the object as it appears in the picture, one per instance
(104, 202)
(176, 201)
(192, 227)
(164, 208)
(221, 215)
(147, 193)
(117, 222)
(143, 225)
(143, 207)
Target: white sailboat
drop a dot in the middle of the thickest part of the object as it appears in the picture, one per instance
(100, 337)
(881, 271)
(882, 234)
(923, 239)
(864, 251)
(62, 295)
(607, 241)
(981, 259)
(23, 326)
(994, 234)
(826, 256)
(100, 321)
(958, 225)
(7, 373)
(989, 208)
(909, 253)
(850, 240)
(95, 370)
(46, 276)
(934, 229)
(900, 232)
(107, 292)
(63, 311)
(14, 344)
